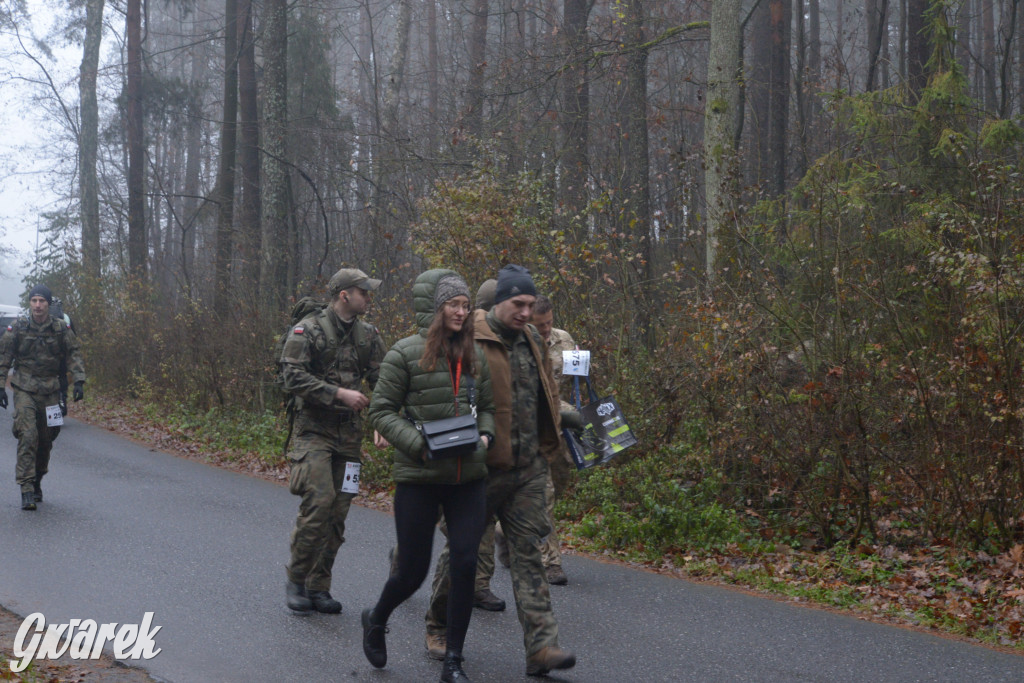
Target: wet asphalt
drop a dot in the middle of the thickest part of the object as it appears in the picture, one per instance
(126, 530)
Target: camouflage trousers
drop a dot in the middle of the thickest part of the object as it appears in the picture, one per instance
(518, 499)
(550, 545)
(35, 439)
(317, 475)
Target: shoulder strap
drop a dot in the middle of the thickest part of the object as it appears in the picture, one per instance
(360, 337)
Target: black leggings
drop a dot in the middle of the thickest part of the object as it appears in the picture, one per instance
(415, 517)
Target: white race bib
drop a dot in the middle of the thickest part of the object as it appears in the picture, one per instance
(576, 362)
(351, 484)
(54, 418)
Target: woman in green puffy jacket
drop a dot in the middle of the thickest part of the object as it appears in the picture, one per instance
(431, 376)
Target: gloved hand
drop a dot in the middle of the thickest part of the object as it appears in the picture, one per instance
(79, 391)
(571, 419)
(3, 399)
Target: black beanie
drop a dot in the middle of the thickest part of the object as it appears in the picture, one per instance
(513, 280)
(43, 291)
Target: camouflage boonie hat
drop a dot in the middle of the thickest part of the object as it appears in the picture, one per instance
(351, 277)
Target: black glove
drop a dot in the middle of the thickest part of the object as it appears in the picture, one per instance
(63, 403)
(3, 399)
(572, 420)
(79, 391)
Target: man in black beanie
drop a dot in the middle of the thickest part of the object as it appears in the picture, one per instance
(35, 347)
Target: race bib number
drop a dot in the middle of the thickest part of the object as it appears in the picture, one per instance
(53, 416)
(576, 362)
(351, 484)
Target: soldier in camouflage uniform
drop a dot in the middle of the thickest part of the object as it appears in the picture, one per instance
(527, 422)
(557, 341)
(36, 347)
(326, 357)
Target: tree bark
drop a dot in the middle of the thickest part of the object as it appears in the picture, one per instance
(88, 184)
(918, 43)
(877, 15)
(226, 170)
(248, 148)
(137, 244)
(274, 255)
(720, 123)
(477, 66)
(576, 113)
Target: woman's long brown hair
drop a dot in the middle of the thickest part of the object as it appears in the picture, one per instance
(441, 345)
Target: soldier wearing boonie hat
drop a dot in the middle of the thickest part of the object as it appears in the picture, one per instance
(326, 358)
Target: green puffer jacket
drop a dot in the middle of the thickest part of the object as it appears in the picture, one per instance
(404, 387)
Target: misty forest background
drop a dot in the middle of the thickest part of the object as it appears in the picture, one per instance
(789, 230)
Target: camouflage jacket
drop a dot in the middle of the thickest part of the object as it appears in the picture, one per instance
(315, 363)
(35, 351)
(559, 341)
(526, 414)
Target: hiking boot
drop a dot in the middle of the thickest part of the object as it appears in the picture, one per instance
(436, 645)
(28, 500)
(296, 598)
(374, 646)
(501, 545)
(549, 658)
(38, 492)
(452, 669)
(323, 602)
(487, 600)
(557, 577)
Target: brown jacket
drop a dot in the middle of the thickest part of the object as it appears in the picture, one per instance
(549, 422)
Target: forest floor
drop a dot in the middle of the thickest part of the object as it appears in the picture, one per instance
(939, 588)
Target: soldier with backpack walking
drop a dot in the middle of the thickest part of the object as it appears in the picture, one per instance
(326, 358)
(36, 347)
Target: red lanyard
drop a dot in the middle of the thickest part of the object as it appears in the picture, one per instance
(456, 380)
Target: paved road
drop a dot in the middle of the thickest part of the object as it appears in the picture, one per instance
(125, 530)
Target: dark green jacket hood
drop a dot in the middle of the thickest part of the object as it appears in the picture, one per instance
(423, 296)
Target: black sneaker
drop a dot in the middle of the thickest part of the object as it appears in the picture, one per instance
(323, 602)
(296, 598)
(374, 646)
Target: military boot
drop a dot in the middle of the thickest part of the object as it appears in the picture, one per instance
(38, 492)
(296, 598)
(556, 575)
(323, 602)
(452, 671)
(549, 658)
(486, 600)
(436, 645)
(28, 500)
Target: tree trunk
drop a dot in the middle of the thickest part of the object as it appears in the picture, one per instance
(720, 123)
(88, 184)
(275, 222)
(917, 45)
(248, 149)
(433, 75)
(780, 13)
(193, 167)
(877, 16)
(225, 193)
(988, 53)
(477, 66)
(137, 249)
(576, 114)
